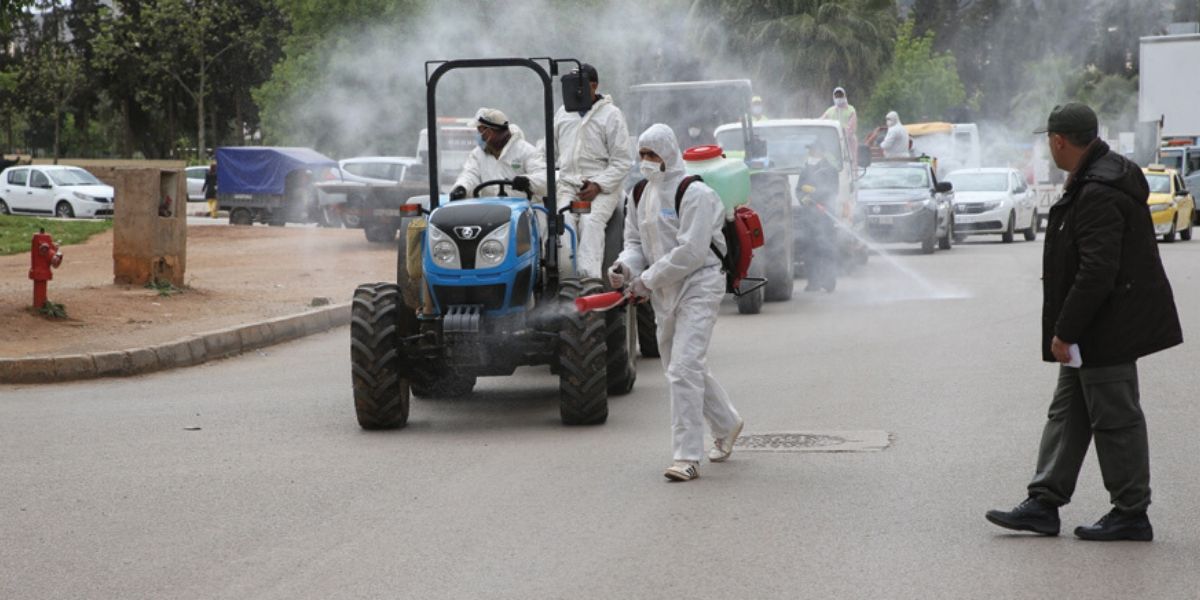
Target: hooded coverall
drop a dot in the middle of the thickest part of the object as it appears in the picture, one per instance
(594, 146)
(671, 254)
(518, 157)
(895, 143)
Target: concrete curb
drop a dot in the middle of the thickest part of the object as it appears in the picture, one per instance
(185, 352)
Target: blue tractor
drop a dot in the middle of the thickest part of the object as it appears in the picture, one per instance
(486, 295)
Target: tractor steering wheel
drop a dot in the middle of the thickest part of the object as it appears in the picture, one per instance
(499, 182)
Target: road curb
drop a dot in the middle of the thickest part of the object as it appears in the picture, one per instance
(184, 352)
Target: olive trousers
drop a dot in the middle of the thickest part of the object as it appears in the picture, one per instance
(1098, 403)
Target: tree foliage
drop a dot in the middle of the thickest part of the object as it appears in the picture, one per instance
(801, 49)
(920, 83)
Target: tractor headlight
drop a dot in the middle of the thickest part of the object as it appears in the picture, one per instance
(494, 248)
(443, 250)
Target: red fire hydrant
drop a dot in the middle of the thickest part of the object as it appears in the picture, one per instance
(44, 255)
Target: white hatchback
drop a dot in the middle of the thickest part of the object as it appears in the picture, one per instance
(56, 190)
(993, 201)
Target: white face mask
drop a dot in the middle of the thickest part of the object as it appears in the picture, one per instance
(694, 131)
(756, 110)
(841, 102)
(891, 122)
(651, 170)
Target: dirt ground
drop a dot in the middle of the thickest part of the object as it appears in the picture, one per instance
(235, 275)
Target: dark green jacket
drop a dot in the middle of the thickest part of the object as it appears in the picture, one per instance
(1103, 282)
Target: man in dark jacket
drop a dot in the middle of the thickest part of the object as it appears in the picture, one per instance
(817, 189)
(1107, 302)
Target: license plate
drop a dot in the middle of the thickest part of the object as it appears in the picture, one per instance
(882, 219)
(387, 212)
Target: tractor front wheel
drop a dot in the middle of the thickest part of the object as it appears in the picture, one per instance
(582, 362)
(380, 393)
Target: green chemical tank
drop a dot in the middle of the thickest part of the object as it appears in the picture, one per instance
(729, 177)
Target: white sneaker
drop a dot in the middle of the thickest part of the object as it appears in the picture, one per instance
(682, 470)
(723, 447)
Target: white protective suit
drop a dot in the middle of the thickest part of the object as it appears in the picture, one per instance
(595, 147)
(518, 157)
(895, 143)
(672, 255)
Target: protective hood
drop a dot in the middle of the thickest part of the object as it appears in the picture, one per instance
(661, 140)
(895, 118)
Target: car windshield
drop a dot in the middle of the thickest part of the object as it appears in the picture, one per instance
(979, 182)
(884, 178)
(787, 147)
(73, 177)
(1159, 184)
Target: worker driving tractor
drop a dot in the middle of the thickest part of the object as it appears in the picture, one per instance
(501, 152)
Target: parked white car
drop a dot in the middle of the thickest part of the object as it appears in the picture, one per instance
(195, 183)
(993, 201)
(54, 190)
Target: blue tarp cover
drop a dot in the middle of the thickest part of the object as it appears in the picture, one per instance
(263, 169)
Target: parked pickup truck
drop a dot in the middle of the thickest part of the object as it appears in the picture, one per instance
(374, 188)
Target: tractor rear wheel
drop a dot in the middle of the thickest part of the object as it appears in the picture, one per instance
(582, 365)
(774, 207)
(380, 393)
(380, 233)
(647, 330)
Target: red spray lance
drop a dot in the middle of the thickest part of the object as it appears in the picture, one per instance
(601, 302)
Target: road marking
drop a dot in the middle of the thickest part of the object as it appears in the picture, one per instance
(814, 441)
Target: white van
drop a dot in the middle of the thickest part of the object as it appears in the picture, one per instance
(954, 145)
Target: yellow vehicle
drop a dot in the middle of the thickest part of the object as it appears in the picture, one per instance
(1172, 207)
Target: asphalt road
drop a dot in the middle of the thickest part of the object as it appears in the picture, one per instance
(105, 494)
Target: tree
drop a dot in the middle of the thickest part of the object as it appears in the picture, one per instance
(920, 84)
(803, 48)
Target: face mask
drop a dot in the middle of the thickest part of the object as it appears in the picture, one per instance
(650, 169)
(756, 111)
(891, 123)
(841, 102)
(479, 140)
(694, 131)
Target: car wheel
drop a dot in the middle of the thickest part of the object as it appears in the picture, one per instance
(1031, 233)
(4, 208)
(1170, 237)
(63, 210)
(241, 216)
(1007, 236)
(1186, 234)
(945, 243)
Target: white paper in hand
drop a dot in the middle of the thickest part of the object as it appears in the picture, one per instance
(1076, 358)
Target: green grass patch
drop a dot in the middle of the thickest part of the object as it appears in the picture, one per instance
(17, 232)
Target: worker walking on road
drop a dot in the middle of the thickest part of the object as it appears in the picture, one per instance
(594, 157)
(1107, 303)
(210, 188)
(895, 143)
(668, 258)
(501, 152)
(817, 189)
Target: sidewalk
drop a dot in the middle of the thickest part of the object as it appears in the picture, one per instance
(247, 287)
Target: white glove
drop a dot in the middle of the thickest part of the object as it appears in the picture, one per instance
(617, 274)
(638, 289)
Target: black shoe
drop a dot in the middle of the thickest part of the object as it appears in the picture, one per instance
(1117, 525)
(1030, 515)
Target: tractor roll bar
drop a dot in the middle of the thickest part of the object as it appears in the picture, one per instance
(431, 82)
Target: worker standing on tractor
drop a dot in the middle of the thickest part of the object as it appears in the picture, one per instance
(757, 113)
(669, 258)
(895, 143)
(843, 112)
(817, 189)
(501, 152)
(594, 157)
